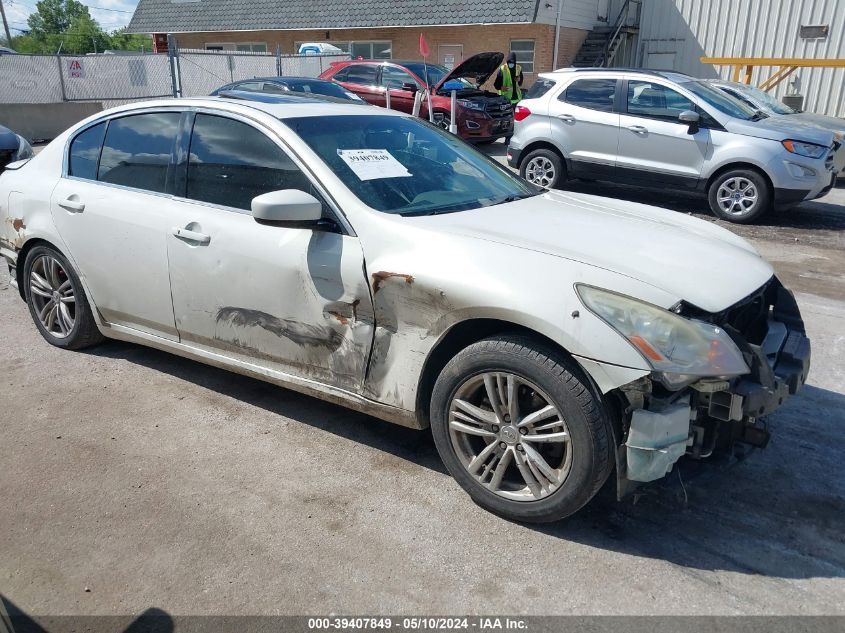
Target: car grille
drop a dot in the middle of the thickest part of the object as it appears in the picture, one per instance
(6, 157)
(499, 110)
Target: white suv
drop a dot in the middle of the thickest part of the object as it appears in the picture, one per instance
(668, 130)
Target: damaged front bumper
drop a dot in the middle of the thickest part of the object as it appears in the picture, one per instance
(660, 426)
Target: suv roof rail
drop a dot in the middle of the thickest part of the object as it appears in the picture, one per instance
(642, 71)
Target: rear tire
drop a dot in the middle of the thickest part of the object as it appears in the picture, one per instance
(543, 168)
(741, 196)
(57, 301)
(539, 456)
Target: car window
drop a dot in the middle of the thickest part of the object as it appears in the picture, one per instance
(363, 74)
(595, 94)
(251, 86)
(539, 88)
(85, 152)
(394, 78)
(341, 74)
(137, 148)
(656, 101)
(274, 88)
(231, 162)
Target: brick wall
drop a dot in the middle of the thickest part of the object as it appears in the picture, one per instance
(475, 39)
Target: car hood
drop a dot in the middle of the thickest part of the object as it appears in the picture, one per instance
(478, 68)
(837, 126)
(690, 259)
(780, 127)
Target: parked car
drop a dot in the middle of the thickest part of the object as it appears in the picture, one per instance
(373, 260)
(7, 51)
(288, 97)
(308, 86)
(481, 115)
(668, 130)
(761, 100)
(13, 147)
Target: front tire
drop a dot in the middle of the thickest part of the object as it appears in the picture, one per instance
(742, 196)
(520, 429)
(543, 168)
(57, 301)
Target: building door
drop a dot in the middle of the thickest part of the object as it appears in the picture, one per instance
(450, 55)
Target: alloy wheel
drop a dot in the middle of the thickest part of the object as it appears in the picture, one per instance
(540, 171)
(737, 196)
(52, 296)
(510, 436)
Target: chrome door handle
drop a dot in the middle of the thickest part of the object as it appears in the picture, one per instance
(191, 236)
(637, 129)
(566, 117)
(74, 206)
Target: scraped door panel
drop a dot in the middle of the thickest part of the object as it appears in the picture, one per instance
(291, 300)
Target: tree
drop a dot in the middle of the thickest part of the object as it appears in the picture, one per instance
(52, 17)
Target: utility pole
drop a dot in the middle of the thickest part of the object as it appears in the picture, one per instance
(5, 24)
(557, 33)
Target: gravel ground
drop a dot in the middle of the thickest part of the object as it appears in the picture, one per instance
(133, 479)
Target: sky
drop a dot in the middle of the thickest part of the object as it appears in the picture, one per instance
(111, 14)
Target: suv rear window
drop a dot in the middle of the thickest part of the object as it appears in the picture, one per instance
(540, 87)
(595, 94)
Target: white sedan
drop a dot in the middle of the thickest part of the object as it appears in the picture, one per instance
(368, 258)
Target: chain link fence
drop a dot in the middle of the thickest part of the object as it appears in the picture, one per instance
(114, 79)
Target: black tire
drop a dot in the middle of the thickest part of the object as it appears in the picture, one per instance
(84, 332)
(543, 161)
(740, 211)
(562, 381)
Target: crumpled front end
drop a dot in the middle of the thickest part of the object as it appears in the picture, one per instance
(714, 413)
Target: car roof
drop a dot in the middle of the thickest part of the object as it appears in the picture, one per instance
(280, 79)
(666, 74)
(285, 108)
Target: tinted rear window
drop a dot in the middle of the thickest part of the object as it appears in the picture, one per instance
(540, 87)
(136, 152)
(85, 152)
(595, 94)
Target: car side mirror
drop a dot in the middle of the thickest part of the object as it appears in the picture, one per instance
(690, 118)
(287, 207)
(410, 87)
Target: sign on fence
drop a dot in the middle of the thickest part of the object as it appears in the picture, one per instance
(75, 70)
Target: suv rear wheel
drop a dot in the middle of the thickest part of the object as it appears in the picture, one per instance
(543, 168)
(740, 195)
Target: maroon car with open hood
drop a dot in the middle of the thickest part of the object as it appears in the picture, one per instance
(481, 115)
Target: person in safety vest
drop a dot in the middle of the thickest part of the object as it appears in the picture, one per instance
(509, 80)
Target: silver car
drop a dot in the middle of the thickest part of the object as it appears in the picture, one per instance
(761, 100)
(668, 130)
(368, 258)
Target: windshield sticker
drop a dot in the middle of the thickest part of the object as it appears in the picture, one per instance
(373, 164)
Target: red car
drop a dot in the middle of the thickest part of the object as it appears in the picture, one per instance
(482, 116)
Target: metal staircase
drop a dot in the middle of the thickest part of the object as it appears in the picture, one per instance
(603, 42)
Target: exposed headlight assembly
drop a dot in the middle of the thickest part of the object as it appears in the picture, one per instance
(681, 350)
(471, 105)
(810, 150)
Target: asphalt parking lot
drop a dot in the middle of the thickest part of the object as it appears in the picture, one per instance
(132, 479)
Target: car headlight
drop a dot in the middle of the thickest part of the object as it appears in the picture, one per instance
(810, 150)
(470, 105)
(681, 350)
(24, 149)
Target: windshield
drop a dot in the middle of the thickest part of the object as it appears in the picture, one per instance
(407, 166)
(435, 74)
(724, 103)
(766, 101)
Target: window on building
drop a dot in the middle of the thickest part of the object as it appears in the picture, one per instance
(85, 153)
(524, 50)
(656, 101)
(371, 50)
(137, 148)
(595, 94)
(231, 162)
(252, 47)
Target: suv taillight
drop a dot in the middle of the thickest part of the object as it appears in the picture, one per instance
(521, 113)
